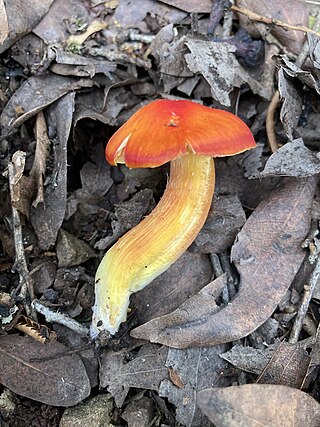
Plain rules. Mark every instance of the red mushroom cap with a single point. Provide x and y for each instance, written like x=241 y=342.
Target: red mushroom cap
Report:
x=164 y=130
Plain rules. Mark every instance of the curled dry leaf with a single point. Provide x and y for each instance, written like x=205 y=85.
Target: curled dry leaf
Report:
x=59 y=379
x=267 y=256
x=23 y=104
x=253 y=405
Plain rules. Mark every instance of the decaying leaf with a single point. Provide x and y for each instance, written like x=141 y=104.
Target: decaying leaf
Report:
x=219 y=66
x=23 y=104
x=293 y=159
x=147 y=370
x=17 y=19
x=196 y=369
x=200 y=6
x=267 y=255
x=254 y=405
x=47 y=217
x=288 y=366
x=62 y=380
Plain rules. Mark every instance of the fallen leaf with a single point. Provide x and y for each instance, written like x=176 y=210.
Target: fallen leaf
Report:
x=219 y=66
x=48 y=88
x=225 y=219
x=60 y=380
x=47 y=217
x=288 y=366
x=146 y=371
x=200 y=6
x=267 y=255
x=292 y=159
x=197 y=369
x=253 y=405
x=249 y=359
x=18 y=19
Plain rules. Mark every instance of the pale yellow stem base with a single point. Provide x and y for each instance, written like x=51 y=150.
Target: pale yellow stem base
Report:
x=157 y=242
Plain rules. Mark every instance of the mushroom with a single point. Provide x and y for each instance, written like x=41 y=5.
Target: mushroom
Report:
x=188 y=135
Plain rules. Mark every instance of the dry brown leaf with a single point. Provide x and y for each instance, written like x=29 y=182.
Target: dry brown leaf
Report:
x=259 y=405
x=60 y=379
x=267 y=255
x=288 y=366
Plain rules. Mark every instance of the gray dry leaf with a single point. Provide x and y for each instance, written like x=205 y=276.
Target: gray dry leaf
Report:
x=19 y=18
x=267 y=255
x=48 y=216
x=249 y=359
x=198 y=369
x=190 y=6
x=292 y=104
x=288 y=366
x=254 y=405
x=219 y=66
x=24 y=104
x=292 y=159
x=59 y=381
x=224 y=221
x=146 y=371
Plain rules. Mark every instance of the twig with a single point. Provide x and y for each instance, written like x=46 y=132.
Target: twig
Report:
x=270 y=122
x=308 y=291
x=20 y=265
x=270 y=21
x=62 y=319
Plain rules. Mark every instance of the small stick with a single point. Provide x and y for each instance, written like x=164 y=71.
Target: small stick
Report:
x=270 y=122
x=62 y=319
x=20 y=264
x=270 y=21
x=308 y=291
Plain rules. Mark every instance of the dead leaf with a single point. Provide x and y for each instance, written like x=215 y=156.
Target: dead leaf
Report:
x=253 y=405
x=267 y=255
x=294 y=13
x=201 y=6
x=197 y=369
x=249 y=359
x=48 y=216
x=190 y=273
x=53 y=28
x=38 y=169
x=18 y=19
x=225 y=219
x=4 y=26
x=175 y=378
x=219 y=66
x=147 y=370
x=293 y=159
x=48 y=88
x=60 y=381
x=288 y=366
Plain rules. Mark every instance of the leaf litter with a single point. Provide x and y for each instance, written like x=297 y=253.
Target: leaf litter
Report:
x=72 y=74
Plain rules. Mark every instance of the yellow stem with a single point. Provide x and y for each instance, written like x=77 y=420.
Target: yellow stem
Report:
x=157 y=242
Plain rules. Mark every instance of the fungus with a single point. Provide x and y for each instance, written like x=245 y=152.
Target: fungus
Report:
x=188 y=135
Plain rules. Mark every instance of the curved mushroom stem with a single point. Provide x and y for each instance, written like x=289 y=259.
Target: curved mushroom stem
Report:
x=152 y=246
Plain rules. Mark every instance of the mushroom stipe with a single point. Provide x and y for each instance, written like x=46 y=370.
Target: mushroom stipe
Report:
x=188 y=135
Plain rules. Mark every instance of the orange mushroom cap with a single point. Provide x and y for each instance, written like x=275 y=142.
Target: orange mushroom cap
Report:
x=165 y=129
